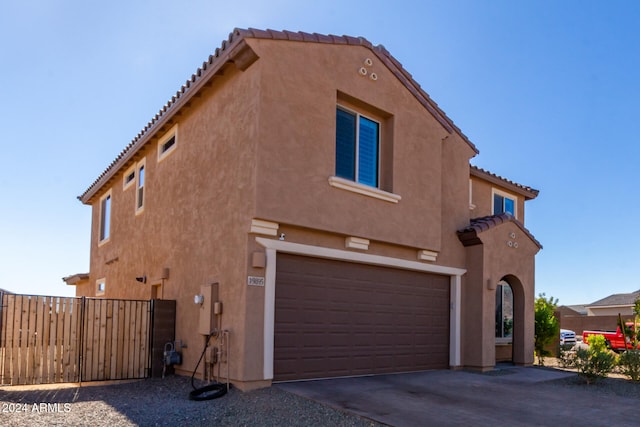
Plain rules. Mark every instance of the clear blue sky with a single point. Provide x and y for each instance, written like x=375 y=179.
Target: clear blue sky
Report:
x=547 y=90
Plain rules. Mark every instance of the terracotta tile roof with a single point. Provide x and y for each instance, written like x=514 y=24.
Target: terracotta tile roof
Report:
x=528 y=192
x=469 y=235
x=224 y=54
x=617 y=299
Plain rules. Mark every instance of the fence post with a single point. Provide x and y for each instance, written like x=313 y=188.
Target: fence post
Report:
x=81 y=340
x=150 y=322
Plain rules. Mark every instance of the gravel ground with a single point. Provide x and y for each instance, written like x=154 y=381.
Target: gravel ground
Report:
x=156 y=402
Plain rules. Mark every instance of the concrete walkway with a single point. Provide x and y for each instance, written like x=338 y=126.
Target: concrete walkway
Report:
x=513 y=396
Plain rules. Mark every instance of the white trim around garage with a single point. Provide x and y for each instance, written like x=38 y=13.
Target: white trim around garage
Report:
x=274 y=246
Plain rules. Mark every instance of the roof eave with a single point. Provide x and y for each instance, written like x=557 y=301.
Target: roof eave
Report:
x=470 y=236
x=237 y=52
x=527 y=192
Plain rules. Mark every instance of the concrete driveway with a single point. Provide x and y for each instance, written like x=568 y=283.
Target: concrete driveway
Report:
x=512 y=396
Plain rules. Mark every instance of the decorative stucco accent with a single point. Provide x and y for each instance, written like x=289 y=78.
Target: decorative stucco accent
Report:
x=268 y=228
x=356 y=243
x=365 y=190
x=427 y=255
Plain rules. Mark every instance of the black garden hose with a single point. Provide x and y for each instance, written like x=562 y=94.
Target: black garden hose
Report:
x=208 y=392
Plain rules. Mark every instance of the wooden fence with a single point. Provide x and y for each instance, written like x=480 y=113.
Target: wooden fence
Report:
x=47 y=339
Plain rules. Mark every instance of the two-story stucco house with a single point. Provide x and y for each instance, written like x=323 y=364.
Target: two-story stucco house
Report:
x=332 y=204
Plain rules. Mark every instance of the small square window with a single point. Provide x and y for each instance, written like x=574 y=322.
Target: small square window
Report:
x=167 y=144
x=129 y=178
x=101 y=286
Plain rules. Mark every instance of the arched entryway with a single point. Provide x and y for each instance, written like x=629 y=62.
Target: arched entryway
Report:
x=510 y=320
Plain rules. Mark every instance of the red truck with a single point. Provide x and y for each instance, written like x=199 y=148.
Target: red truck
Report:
x=615 y=340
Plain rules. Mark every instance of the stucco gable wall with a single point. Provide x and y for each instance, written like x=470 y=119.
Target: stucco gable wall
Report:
x=301 y=85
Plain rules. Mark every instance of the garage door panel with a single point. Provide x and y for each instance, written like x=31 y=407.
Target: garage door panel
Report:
x=338 y=319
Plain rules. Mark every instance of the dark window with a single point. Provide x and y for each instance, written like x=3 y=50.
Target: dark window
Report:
x=504 y=311
x=503 y=204
x=140 y=195
x=129 y=178
x=167 y=145
x=357 y=147
x=105 y=218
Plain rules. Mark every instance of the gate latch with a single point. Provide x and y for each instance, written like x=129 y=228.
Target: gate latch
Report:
x=171 y=356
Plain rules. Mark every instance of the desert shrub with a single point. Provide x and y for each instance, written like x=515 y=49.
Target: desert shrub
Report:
x=629 y=364
x=567 y=355
x=594 y=362
x=546 y=325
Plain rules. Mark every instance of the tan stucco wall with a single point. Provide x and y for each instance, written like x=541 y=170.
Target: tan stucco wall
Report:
x=197 y=210
x=295 y=129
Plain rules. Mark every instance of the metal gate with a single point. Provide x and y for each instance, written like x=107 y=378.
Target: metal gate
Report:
x=48 y=339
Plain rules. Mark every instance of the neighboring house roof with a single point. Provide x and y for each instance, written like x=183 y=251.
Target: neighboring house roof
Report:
x=235 y=50
x=74 y=279
x=526 y=191
x=469 y=235
x=616 y=300
x=4 y=291
x=579 y=309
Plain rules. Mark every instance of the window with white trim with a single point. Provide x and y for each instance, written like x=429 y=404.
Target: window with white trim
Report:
x=504 y=313
x=140 y=186
x=105 y=217
x=167 y=144
x=503 y=203
x=129 y=178
x=357 y=147
x=101 y=286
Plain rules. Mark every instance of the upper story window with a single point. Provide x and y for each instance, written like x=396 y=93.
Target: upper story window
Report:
x=101 y=286
x=129 y=178
x=105 y=217
x=503 y=203
x=140 y=187
x=357 y=147
x=167 y=144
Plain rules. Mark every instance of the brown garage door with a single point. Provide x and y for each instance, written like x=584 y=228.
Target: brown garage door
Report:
x=336 y=318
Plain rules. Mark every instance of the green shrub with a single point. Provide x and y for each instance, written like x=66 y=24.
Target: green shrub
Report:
x=594 y=362
x=629 y=364
x=546 y=325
